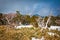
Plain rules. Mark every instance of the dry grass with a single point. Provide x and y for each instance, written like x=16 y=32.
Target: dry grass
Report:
x=7 y=33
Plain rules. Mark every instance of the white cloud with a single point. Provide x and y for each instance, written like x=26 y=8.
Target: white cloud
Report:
x=33 y=8
x=44 y=11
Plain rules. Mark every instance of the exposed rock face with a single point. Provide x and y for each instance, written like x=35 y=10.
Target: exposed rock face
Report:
x=10 y=15
x=58 y=22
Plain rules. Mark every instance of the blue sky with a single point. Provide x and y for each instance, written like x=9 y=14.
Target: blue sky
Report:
x=31 y=7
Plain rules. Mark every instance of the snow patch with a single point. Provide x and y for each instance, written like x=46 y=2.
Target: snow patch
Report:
x=22 y=26
x=33 y=38
x=54 y=28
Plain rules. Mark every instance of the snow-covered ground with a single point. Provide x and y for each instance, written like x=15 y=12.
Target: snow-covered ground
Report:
x=33 y=38
x=22 y=26
x=54 y=28
x=52 y=34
